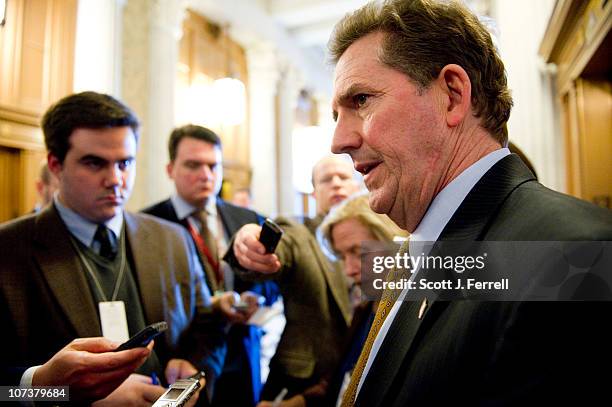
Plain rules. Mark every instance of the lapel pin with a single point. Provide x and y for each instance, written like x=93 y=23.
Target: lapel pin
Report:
x=423 y=308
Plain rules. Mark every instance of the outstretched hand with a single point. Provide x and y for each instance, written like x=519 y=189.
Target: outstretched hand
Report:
x=90 y=367
x=251 y=254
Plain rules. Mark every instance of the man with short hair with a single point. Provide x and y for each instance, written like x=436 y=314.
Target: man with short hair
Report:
x=421 y=104
x=333 y=180
x=85 y=267
x=196 y=168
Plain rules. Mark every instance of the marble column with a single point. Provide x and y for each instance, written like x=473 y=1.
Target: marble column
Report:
x=152 y=30
x=263 y=79
x=97 y=57
x=289 y=90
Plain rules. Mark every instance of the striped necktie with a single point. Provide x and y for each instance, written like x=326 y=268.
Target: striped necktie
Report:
x=209 y=238
x=389 y=297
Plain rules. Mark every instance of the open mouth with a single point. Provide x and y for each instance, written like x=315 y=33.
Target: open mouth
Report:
x=367 y=167
x=338 y=198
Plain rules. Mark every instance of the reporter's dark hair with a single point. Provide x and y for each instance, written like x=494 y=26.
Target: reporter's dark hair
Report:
x=191 y=131
x=89 y=110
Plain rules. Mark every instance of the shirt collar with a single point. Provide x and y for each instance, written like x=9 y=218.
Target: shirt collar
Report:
x=84 y=229
x=184 y=209
x=446 y=203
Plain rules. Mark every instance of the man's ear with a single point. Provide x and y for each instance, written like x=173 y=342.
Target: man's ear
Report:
x=39 y=187
x=169 y=168
x=457 y=89
x=54 y=164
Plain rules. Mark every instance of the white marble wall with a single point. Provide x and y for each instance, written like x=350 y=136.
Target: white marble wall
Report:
x=263 y=71
x=97 y=57
x=533 y=124
x=152 y=30
x=151 y=34
x=289 y=89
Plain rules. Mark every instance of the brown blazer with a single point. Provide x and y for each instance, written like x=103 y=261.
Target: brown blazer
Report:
x=317 y=308
x=45 y=300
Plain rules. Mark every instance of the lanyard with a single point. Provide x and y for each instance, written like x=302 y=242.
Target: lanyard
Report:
x=89 y=270
x=201 y=245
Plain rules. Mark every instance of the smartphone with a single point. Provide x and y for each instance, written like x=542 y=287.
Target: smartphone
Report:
x=270 y=235
x=143 y=337
x=179 y=392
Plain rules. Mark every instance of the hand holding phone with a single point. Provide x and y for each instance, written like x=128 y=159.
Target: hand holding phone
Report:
x=142 y=338
x=270 y=235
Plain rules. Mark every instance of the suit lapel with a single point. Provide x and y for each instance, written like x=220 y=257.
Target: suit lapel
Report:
x=231 y=219
x=473 y=217
x=64 y=273
x=170 y=212
x=387 y=360
x=146 y=263
x=469 y=223
x=227 y=219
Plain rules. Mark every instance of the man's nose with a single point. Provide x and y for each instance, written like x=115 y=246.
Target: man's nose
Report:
x=352 y=265
x=336 y=181
x=207 y=172
x=346 y=135
x=114 y=176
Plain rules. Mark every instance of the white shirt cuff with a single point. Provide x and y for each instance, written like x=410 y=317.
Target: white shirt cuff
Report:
x=28 y=375
x=26 y=381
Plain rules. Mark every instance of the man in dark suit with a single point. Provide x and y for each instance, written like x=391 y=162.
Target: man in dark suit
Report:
x=84 y=267
x=197 y=171
x=421 y=104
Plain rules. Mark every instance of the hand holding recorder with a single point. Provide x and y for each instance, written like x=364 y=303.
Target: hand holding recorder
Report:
x=183 y=392
x=254 y=247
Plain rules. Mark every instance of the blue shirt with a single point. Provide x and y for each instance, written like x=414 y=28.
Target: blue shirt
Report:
x=84 y=229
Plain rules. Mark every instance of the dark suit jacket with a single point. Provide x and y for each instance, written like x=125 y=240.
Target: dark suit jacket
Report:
x=233 y=218
x=46 y=300
x=500 y=353
x=243 y=340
